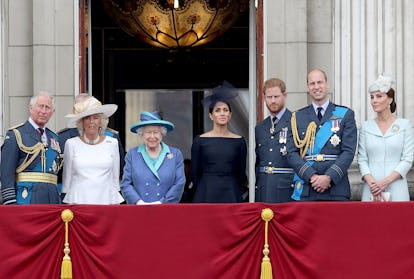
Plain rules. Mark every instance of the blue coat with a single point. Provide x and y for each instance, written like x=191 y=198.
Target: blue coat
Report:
x=336 y=169
x=12 y=157
x=271 y=152
x=163 y=182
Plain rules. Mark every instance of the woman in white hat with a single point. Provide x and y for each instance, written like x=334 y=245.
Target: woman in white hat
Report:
x=154 y=171
x=91 y=160
x=386 y=147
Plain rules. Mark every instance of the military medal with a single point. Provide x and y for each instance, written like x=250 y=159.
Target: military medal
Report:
x=272 y=130
x=24 y=193
x=283 y=135
x=335 y=124
x=55 y=145
x=335 y=140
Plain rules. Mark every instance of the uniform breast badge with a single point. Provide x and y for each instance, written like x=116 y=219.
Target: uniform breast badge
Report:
x=335 y=140
x=24 y=193
x=283 y=150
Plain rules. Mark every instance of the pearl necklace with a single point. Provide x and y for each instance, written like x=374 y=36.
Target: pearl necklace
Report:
x=93 y=141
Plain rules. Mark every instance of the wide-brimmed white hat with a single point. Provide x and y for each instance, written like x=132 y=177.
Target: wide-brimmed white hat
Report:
x=89 y=107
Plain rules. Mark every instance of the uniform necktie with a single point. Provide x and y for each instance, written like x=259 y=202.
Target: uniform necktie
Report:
x=275 y=120
x=320 y=113
x=41 y=131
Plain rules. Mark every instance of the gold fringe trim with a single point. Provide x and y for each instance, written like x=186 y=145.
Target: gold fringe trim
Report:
x=308 y=140
x=266 y=268
x=66 y=270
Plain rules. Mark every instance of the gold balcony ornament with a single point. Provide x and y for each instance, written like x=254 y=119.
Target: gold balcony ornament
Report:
x=175 y=24
x=266 y=268
x=66 y=270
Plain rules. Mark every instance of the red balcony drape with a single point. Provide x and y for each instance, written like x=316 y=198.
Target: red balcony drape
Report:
x=197 y=241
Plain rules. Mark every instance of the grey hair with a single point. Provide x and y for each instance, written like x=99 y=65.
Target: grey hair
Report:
x=104 y=124
x=140 y=131
x=34 y=98
x=82 y=97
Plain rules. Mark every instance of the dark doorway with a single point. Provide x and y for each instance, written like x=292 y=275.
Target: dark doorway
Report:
x=121 y=62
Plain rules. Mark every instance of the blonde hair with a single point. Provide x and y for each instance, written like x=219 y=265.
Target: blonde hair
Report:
x=102 y=127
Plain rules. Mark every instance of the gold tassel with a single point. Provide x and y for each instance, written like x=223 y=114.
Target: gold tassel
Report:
x=66 y=270
x=266 y=270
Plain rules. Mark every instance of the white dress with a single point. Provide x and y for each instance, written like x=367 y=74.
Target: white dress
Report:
x=380 y=154
x=91 y=172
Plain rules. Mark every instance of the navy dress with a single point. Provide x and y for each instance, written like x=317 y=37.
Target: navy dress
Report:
x=218 y=169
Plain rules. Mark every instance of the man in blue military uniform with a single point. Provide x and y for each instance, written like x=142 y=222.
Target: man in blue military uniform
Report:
x=274 y=177
x=30 y=157
x=322 y=145
x=72 y=132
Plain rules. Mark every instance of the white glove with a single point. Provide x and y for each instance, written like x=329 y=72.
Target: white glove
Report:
x=140 y=202
x=156 y=202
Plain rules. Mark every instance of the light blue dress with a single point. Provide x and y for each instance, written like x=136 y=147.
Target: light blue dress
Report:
x=380 y=154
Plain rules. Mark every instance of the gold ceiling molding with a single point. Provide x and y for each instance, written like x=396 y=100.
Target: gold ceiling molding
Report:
x=192 y=23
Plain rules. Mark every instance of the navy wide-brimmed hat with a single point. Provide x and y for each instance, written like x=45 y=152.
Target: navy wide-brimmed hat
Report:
x=151 y=119
x=221 y=93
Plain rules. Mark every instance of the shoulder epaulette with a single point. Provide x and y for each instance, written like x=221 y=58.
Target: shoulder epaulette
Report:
x=341 y=106
x=302 y=108
x=63 y=130
x=52 y=132
x=16 y=126
x=112 y=131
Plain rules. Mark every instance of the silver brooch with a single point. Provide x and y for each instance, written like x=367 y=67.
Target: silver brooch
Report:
x=170 y=156
x=395 y=128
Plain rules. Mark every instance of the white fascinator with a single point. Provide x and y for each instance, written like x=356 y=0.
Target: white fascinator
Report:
x=383 y=84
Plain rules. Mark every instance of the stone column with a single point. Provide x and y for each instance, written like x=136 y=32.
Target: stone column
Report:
x=373 y=37
x=38 y=51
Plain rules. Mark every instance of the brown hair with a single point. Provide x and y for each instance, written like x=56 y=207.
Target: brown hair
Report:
x=393 y=105
x=274 y=82
x=317 y=70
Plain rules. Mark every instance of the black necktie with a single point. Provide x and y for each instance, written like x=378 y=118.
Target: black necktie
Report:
x=41 y=131
x=275 y=120
x=320 y=113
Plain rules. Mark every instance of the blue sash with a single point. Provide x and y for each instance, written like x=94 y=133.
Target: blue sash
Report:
x=322 y=137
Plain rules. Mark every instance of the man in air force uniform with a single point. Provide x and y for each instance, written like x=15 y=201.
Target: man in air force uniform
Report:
x=324 y=138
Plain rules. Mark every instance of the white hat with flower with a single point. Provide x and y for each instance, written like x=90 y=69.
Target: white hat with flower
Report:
x=88 y=107
x=383 y=84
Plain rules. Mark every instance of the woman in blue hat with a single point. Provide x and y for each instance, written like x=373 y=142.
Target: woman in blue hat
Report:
x=154 y=171
x=218 y=157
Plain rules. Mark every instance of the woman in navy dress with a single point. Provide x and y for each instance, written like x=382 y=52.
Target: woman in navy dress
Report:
x=218 y=157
